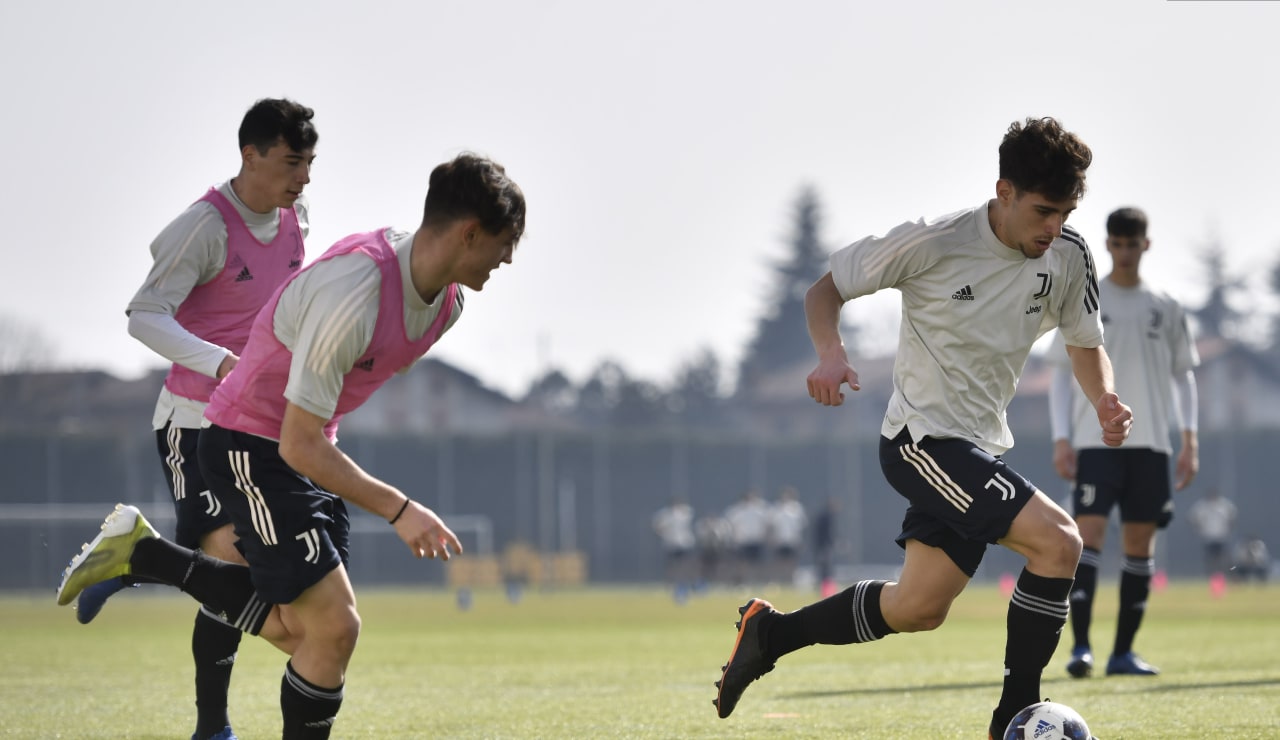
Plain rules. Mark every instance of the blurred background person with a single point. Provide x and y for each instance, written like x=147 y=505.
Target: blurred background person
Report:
x=787 y=523
x=1251 y=559
x=749 y=520
x=673 y=524
x=1213 y=516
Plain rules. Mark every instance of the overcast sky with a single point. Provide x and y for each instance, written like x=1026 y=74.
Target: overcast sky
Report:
x=661 y=145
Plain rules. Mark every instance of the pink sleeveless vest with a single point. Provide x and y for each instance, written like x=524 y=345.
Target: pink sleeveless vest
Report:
x=222 y=310
x=251 y=399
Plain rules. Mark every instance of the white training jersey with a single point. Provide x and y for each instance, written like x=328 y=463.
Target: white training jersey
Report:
x=1150 y=344
x=674 y=525
x=326 y=315
x=191 y=251
x=749 y=520
x=787 y=521
x=971 y=309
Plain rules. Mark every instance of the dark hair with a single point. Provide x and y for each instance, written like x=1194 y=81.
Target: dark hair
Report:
x=1039 y=156
x=1126 y=222
x=273 y=119
x=472 y=186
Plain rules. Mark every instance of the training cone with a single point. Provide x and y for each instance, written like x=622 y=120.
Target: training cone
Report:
x=1159 y=581
x=828 y=587
x=1006 y=584
x=1217 y=585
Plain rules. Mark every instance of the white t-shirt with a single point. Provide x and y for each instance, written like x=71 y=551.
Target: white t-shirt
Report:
x=971 y=309
x=326 y=318
x=1150 y=344
x=750 y=521
x=787 y=521
x=191 y=251
x=674 y=525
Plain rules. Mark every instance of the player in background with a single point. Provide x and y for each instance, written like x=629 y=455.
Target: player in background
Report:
x=978 y=287
x=1153 y=350
x=368 y=308
x=214 y=267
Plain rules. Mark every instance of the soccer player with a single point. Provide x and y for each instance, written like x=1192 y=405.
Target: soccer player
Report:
x=368 y=308
x=1151 y=345
x=978 y=286
x=214 y=267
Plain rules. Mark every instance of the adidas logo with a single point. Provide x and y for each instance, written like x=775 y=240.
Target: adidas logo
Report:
x=244 y=275
x=1042 y=727
x=964 y=294
x=366 y=365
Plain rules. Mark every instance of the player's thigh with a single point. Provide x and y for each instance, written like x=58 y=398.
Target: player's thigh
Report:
x=325 y=611
x=929 y=583
x=221 y=544
x=1046 y=536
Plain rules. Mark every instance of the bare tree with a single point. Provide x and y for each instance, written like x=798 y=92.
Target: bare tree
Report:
x=23 y=348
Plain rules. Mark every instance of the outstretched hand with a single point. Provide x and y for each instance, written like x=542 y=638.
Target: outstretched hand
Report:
x=825 y=380
x=426 y=534
x=1115 y=418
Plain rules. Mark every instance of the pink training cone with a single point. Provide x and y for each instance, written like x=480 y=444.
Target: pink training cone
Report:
x=1159 y=581
x=1006 y=584
x=1217 y=585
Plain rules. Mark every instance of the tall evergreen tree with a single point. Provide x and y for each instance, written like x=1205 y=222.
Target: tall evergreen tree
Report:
x=1216 y=317
x=780 y=340
x=1273 y=337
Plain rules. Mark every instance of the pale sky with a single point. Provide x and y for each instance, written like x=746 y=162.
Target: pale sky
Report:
x=661 y=145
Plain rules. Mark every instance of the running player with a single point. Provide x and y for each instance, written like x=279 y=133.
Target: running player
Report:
x=368 y=308
x=978 y=288
x=214 y=267
x=1150 y=341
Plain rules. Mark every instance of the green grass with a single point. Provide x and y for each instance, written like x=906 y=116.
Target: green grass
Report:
x=629 y=663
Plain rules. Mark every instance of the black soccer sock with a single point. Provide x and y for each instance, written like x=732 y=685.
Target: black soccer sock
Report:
x=853 y=615
x=1037 y=614
x=225 y=588
x=309 y=710
x=213 y=646
x=1082 y=594
x=1135 y=587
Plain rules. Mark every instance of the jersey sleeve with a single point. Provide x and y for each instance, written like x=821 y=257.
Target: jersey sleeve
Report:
x=1182 y=340
x=190 y=251
x=1080 y=319
x=326 y=318
x=878 y=262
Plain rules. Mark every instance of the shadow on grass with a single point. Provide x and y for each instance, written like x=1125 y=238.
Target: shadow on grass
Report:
x=1273 y=681
x=877 y=690
x=874 y=690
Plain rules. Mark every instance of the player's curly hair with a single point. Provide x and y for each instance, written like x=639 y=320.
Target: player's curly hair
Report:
x=472 y=186
x=1039 y=156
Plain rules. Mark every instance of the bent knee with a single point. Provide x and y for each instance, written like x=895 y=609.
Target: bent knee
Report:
x=919 y=618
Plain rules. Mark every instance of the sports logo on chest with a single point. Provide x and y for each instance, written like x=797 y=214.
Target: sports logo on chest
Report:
x=1042 y=292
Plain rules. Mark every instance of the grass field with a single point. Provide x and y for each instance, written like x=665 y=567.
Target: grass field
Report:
x=630 y=663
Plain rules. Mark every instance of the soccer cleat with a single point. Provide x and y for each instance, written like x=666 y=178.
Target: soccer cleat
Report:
x=1129 y=664
x=107 y=556
x=94 y=597
x=224 y=734
x=1081 y=665
x=747 y=661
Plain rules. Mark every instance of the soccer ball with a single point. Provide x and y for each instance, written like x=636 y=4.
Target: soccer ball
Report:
x=1047 y=720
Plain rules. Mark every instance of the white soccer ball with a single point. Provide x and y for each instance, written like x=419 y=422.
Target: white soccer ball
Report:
x=1048 y=720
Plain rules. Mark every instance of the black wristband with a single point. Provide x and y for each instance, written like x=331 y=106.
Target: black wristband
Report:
x=403 y=506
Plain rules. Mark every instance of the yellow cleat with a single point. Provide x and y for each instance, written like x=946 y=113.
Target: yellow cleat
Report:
x=107 y=556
